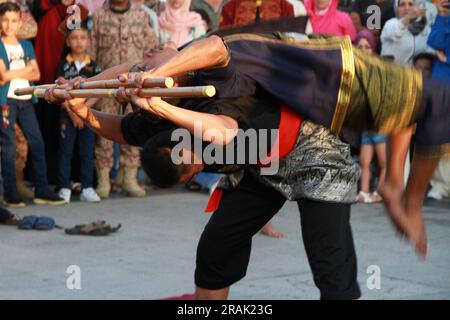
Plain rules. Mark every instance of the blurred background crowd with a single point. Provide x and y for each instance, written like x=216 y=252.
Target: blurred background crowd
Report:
x=54 y=147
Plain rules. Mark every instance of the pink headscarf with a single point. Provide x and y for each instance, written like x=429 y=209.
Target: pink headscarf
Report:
x=330 y=21
x=177 y=22
x=366 y=34
x=91 y=5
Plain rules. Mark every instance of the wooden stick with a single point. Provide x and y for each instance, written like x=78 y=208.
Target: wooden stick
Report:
x=103 y=84
x=114 y=83
x=30 y=90
x=180 y=92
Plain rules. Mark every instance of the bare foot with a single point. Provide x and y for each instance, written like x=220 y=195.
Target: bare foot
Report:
x=270 y=231
x=409 y=223
x=392 y=198
x=418 y=236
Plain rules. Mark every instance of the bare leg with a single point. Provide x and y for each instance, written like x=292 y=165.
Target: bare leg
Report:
x=380 y=150
x=393 y=187
x=204 y=294
x=422 y=170
x=365 y=158
x=270 y=231
x=398 y=148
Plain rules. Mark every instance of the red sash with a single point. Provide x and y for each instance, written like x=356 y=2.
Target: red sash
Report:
x=290 y=123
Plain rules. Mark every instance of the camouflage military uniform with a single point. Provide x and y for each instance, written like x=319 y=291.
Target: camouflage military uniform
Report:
x=118 y=38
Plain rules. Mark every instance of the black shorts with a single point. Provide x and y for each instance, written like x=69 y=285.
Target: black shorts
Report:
x=224 y=248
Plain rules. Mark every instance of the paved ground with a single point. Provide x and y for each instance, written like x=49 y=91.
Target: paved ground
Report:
x=153 y=255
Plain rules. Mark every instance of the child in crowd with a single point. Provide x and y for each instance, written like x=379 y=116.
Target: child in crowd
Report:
x=424 y=63
x=76 y=63
x=18 y=67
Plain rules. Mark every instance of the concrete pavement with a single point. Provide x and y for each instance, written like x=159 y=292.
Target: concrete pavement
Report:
x=153 y=255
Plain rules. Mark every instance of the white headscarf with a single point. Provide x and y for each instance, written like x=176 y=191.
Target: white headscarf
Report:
x=397 y=3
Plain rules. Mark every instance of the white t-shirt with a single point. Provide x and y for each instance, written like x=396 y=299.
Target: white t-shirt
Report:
x=80 y=64
x=16 y=58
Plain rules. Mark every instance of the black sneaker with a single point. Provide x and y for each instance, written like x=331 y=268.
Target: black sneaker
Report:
x=13 y=201
x=48 y=197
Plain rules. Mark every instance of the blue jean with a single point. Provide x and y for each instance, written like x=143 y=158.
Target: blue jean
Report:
x=373 y=138
x=207 y=180
x=21 y=111
x=86 y=142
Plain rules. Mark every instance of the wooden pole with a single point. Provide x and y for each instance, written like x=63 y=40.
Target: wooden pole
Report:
x=114 y=83
x=103 y=84
x=179 y=92
x=30 y=90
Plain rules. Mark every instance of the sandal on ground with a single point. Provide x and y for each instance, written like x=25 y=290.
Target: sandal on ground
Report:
x=375 y=196
x=27 y=223
x=38 y=223
x=98 y=228
x=44 y=223
x=363 y=197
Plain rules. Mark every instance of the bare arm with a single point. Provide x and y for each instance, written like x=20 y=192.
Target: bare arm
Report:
x=30 y=72
x=35 y=74
x=91 y=102
x=104 y=124
x=198 y=55
x=219 y=129
x=112 y=73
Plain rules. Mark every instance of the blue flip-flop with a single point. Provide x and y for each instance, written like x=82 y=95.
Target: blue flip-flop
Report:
x=27 y=222
x=44 y=223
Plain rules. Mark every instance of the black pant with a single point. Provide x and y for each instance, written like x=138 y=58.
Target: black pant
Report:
x=224 y=248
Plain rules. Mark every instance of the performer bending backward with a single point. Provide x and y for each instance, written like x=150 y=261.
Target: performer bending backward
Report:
x=316 y=170
x=331 y=83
